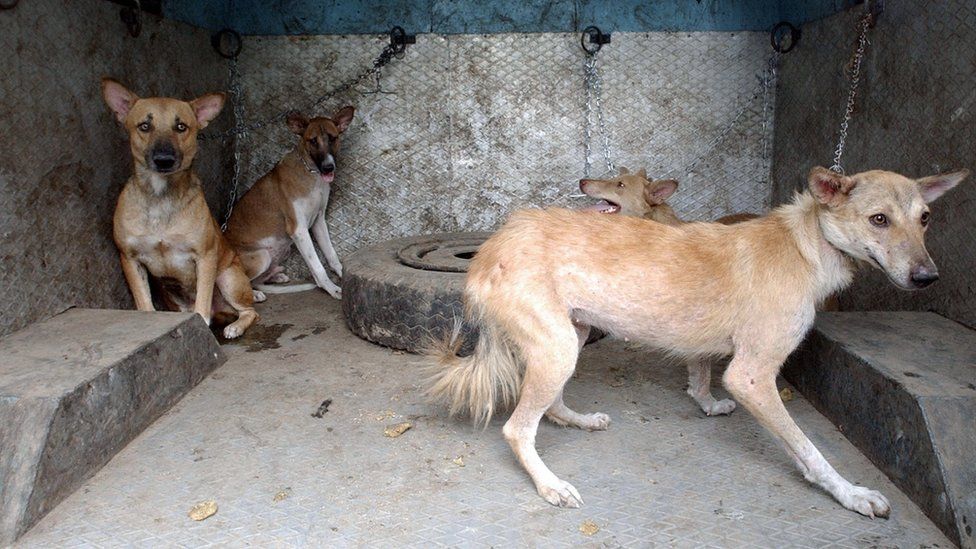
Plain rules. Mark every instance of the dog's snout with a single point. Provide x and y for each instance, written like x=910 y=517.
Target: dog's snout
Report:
x=328 y=168
x=923 y=276
x=164 y=157
x=583 y=183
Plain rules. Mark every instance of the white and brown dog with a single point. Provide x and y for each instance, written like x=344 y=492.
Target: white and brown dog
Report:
x=696 y=290
x=162 y=224
x=289 y=202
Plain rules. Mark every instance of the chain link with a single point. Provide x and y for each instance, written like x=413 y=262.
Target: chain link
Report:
x=388 y=53
x=594 y=98
x=862 y=40
x=766 y=80
x=240 y=134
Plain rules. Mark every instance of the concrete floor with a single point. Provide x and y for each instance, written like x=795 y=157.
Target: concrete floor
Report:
x=663 y=475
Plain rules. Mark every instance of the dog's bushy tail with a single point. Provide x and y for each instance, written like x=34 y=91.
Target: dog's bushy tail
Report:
x=475 y=384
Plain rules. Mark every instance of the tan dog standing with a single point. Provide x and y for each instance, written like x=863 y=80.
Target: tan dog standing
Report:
x=284 y=205
x=162 y=224
x=701 y=289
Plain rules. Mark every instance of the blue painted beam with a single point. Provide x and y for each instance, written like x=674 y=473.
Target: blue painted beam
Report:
x=296 y=17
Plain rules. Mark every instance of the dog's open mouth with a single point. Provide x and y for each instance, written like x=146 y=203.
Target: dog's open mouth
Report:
x=604 y=206
x=327 y=177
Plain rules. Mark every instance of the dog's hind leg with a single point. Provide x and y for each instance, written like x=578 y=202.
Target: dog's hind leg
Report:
x=549 y=348
x=560 y=414
x=752 y=381
x=236 y=290
x=699 y=387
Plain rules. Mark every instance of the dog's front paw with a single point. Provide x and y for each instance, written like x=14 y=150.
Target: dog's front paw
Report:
x=258 y=296
x=232 y=332
x=561 y=494
x=334 y=291
x=868 y=502
x=338 y=270
x=719 y=407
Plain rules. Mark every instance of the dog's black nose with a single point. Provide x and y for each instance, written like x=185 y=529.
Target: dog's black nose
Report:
x=923 y=276
x=163 y=158
x=328 y=168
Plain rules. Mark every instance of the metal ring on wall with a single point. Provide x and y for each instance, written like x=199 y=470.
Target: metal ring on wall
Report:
x=597 y=39
x=777 y=35
x=227 y=43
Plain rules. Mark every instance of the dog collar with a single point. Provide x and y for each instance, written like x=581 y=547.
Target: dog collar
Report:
x=311 y=169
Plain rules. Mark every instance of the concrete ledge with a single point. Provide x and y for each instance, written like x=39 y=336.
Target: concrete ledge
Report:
x=76 y=388
x=902 y=387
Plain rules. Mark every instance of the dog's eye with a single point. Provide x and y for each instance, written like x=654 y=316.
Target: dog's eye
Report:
x=311 y=141
x=879 y=220
x=925 y=218
x=620 y=185
x=180 y=127
x=144 y=126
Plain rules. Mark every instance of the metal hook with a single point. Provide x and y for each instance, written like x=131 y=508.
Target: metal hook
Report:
x=227 y=43
x=776 y=36
x=399 y=39
x=597 y=39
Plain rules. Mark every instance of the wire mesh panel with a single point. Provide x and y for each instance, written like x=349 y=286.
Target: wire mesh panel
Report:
x=914 y=114
x=466 y=128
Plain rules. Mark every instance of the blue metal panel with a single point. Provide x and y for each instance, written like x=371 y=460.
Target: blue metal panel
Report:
x=473 y=16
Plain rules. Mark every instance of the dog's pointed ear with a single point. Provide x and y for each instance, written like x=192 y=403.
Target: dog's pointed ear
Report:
x=207 y=107
x=118 y=98
x=657 y=192
x=343 y=117
x=296 y=122
x=642 y=173
x=934 y=186
x=829 y=187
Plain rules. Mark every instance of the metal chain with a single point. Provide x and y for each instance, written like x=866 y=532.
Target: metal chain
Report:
x=765 y=81
x=240 y=134
x=862 y=41
x=388 y=53
x=594 y=98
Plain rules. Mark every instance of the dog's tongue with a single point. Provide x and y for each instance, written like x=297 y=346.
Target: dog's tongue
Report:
x=602 y=207
x=327 y=177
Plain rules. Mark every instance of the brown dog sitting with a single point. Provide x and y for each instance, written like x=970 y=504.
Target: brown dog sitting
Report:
x=288 y=203
x=162 y=224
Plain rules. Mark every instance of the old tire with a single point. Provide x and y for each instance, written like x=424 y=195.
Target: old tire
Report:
x=406 y=293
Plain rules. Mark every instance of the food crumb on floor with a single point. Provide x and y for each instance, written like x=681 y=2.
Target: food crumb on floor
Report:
x=203 y=510
x=394 y=431
x=786 y=394
x=459 y=461
x=323 y=408
x=589 y=527
x=281 y=495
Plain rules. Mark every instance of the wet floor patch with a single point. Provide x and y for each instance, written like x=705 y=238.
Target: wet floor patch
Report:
x=260 y=337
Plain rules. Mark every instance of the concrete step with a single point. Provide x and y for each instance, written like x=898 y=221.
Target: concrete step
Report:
x=902 y=387
x=76 y=388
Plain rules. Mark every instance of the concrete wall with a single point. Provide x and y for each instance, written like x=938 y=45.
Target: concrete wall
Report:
x=259 y=17
x=916 y=114
x=62 y=157
x=466 y=128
